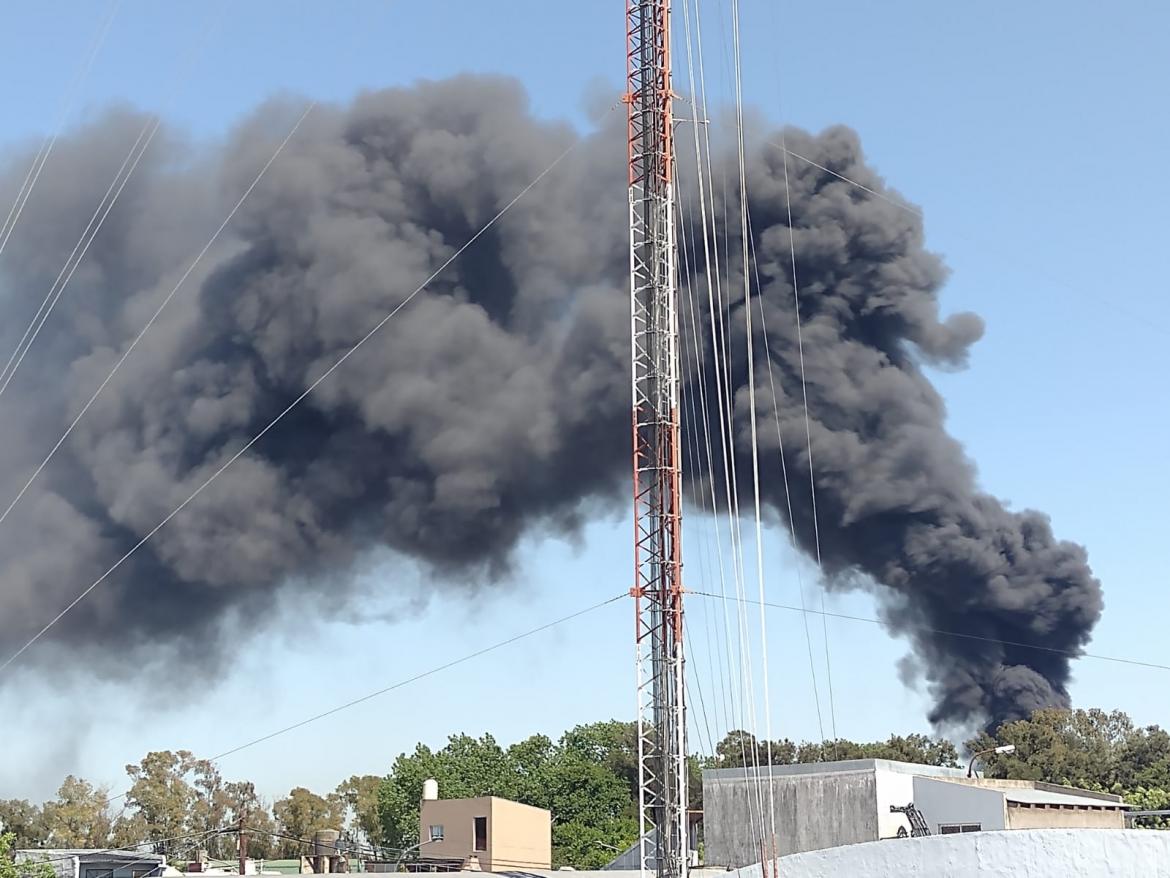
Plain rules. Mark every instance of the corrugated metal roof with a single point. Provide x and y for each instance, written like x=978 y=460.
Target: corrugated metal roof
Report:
x=1048 y=797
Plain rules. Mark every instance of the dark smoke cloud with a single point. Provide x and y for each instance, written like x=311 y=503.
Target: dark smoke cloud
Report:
x=897 y=499
x=495 y=405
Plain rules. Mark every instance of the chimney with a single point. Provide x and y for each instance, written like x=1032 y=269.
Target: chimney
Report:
x=430 y=790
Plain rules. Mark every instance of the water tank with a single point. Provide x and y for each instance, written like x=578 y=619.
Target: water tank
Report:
x=430 y=790
x=325 y=842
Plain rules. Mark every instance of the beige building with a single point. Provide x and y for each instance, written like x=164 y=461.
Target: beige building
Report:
x=486 y=833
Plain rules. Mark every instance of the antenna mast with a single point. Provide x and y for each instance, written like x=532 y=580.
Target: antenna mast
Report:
x=657 y=590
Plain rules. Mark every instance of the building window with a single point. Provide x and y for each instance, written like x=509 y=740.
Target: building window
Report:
x=436 y=832
x=481 y=833
x=953 y=828
x=99 y=873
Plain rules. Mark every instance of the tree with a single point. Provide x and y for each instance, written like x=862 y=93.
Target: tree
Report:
x=161 y=798
x=9 y=868
x=360 y=797
x=25 y=821
x=1143 y=799
x=465 y=767
x=301 y=813
x=739 y=748
x=184 y=800
x=613 y=744
x=588 y=780
x=79 y=816
x=1093 y=749
x=244 y=803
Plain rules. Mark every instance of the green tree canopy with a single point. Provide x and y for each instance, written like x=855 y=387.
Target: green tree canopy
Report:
x=79 y=816
x=301 y=813
x=25 y=822
x=587 y=780
x=9 y=868
x=359 y=794
x=1093 y=749
x=739 y=748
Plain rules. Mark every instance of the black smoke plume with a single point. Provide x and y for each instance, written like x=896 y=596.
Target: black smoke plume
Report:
x=494 y=405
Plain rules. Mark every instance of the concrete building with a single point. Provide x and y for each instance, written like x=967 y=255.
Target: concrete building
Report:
x=485 y=833
x=832 y=804
x=100 y=863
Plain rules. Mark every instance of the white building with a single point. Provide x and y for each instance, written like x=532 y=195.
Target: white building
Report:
x=797 y=808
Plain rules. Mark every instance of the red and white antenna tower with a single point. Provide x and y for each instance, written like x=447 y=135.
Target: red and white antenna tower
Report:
x=657 y=590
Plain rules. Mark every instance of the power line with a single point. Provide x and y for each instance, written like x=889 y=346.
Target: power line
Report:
x=42 y=155
x=129 y=848
x=787 y=494
x=901 y=205
x=93 y=227
x=292 y=405
x=812 y=483
x=966 y=636
x=149 y=323
x=405 y=682
x=421 y=676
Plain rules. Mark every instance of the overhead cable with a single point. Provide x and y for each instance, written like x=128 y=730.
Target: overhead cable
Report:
x=1070 y=653
x=296 y=402
x=42 y=154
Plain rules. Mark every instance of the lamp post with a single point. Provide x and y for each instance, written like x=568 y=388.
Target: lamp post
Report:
x=403 y=854
x=1005 y=748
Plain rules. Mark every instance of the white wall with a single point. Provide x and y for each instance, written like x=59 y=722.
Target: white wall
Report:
x=893 y=788
x=941 y=801
x=1020 y=853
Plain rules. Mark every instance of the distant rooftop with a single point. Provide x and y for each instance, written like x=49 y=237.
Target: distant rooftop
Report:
x=1068 y=800
x=42 y=854
x=842 y=767
x=1023 y=792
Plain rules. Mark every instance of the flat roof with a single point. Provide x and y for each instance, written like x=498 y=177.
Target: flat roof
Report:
x=512 y=802
x=103 y=853
x=1051 y=797
x=844 y=766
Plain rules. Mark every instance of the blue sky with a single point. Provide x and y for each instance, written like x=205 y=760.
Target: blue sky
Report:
x=1032 y=135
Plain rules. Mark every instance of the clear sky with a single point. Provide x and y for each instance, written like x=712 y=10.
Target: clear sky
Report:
x=1032 y=135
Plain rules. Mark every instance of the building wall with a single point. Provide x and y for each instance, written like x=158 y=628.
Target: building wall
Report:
x=1022 y=817
x=519 y=836
x=103 y=863
x=892 y=788
x=942 y=801
x=813 y=811
x=1041 y=853
x=457 y=817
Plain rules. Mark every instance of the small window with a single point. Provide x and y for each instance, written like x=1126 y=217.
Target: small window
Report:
x=481 y=833
x=436 y=832
x=139 y=873
x=955 y=828
x=98 y=873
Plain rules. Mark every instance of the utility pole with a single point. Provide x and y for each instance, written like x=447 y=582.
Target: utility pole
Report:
x=243 y=842
x=657 y=589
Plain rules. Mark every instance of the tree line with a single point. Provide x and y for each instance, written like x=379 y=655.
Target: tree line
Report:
x=587 y=778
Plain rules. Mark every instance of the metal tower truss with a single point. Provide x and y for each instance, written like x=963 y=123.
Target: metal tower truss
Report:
x=657 y=589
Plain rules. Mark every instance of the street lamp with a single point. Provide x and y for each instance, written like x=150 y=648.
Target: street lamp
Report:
x=402 y=855
x=1005 y=748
